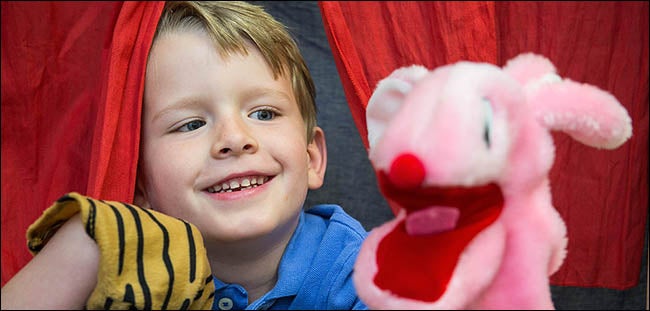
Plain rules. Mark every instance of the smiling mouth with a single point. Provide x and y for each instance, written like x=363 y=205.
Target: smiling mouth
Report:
x=238 y=184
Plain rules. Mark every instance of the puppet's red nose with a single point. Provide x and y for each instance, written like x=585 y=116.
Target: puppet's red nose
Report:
x=406 y=171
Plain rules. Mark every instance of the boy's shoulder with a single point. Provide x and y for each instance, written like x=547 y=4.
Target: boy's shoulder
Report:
x=326 y=242
x=321 y=255
x=335 y=221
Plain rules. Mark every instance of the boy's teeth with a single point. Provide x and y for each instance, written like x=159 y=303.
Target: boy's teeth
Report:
x=239 y=184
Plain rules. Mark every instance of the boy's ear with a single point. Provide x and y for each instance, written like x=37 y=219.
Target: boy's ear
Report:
x=140 y=197
x=317 y=152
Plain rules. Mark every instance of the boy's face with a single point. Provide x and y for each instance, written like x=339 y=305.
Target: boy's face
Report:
x=210 y=121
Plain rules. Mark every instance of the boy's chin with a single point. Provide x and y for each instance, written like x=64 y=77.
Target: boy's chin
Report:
x=258 y=229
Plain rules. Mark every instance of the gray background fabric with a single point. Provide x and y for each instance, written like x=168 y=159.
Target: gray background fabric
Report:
x=350 y=180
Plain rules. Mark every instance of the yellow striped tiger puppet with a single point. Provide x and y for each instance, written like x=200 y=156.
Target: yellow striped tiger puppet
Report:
x=149 y=260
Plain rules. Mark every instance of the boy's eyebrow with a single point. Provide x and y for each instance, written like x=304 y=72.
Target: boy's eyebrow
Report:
x=188 y=102
x=183 y=103
x=264 y=92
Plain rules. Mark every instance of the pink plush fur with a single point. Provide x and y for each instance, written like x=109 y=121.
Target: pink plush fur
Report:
x=468 y=125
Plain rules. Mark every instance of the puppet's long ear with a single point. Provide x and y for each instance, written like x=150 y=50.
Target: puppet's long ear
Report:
x=388 y=97
x=528 y=67
x=588 y=114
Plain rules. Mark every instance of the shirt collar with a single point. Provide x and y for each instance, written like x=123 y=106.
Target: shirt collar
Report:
x=295 y=261
x=294 y=264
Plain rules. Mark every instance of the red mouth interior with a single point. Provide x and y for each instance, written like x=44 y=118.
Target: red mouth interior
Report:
x=419 y=267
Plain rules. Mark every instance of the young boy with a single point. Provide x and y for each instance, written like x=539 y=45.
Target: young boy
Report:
x=229 y=144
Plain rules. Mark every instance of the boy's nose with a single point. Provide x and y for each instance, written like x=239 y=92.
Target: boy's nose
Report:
x=234 y=139
x=226 y=151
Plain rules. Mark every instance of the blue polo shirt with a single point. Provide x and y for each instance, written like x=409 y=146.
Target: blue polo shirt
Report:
x=316 y=268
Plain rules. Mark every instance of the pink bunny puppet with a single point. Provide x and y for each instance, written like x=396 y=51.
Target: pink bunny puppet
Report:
x=465 y=151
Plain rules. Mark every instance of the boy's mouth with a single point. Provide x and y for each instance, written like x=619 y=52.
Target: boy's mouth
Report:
x=238 y=184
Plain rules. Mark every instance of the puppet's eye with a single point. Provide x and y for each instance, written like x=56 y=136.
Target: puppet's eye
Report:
x=488 y=121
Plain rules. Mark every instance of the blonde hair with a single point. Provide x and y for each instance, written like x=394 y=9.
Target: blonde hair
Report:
x=231 y=25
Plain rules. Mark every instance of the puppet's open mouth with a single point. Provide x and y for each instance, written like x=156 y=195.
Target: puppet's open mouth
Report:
x=416 y=260
x=443 y=205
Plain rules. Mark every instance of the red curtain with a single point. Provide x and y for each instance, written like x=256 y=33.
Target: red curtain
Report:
x=72 y=83
x=602 y=195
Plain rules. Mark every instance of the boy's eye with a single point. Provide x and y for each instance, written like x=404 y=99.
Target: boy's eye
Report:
x=263 y=114
x=191 y=126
